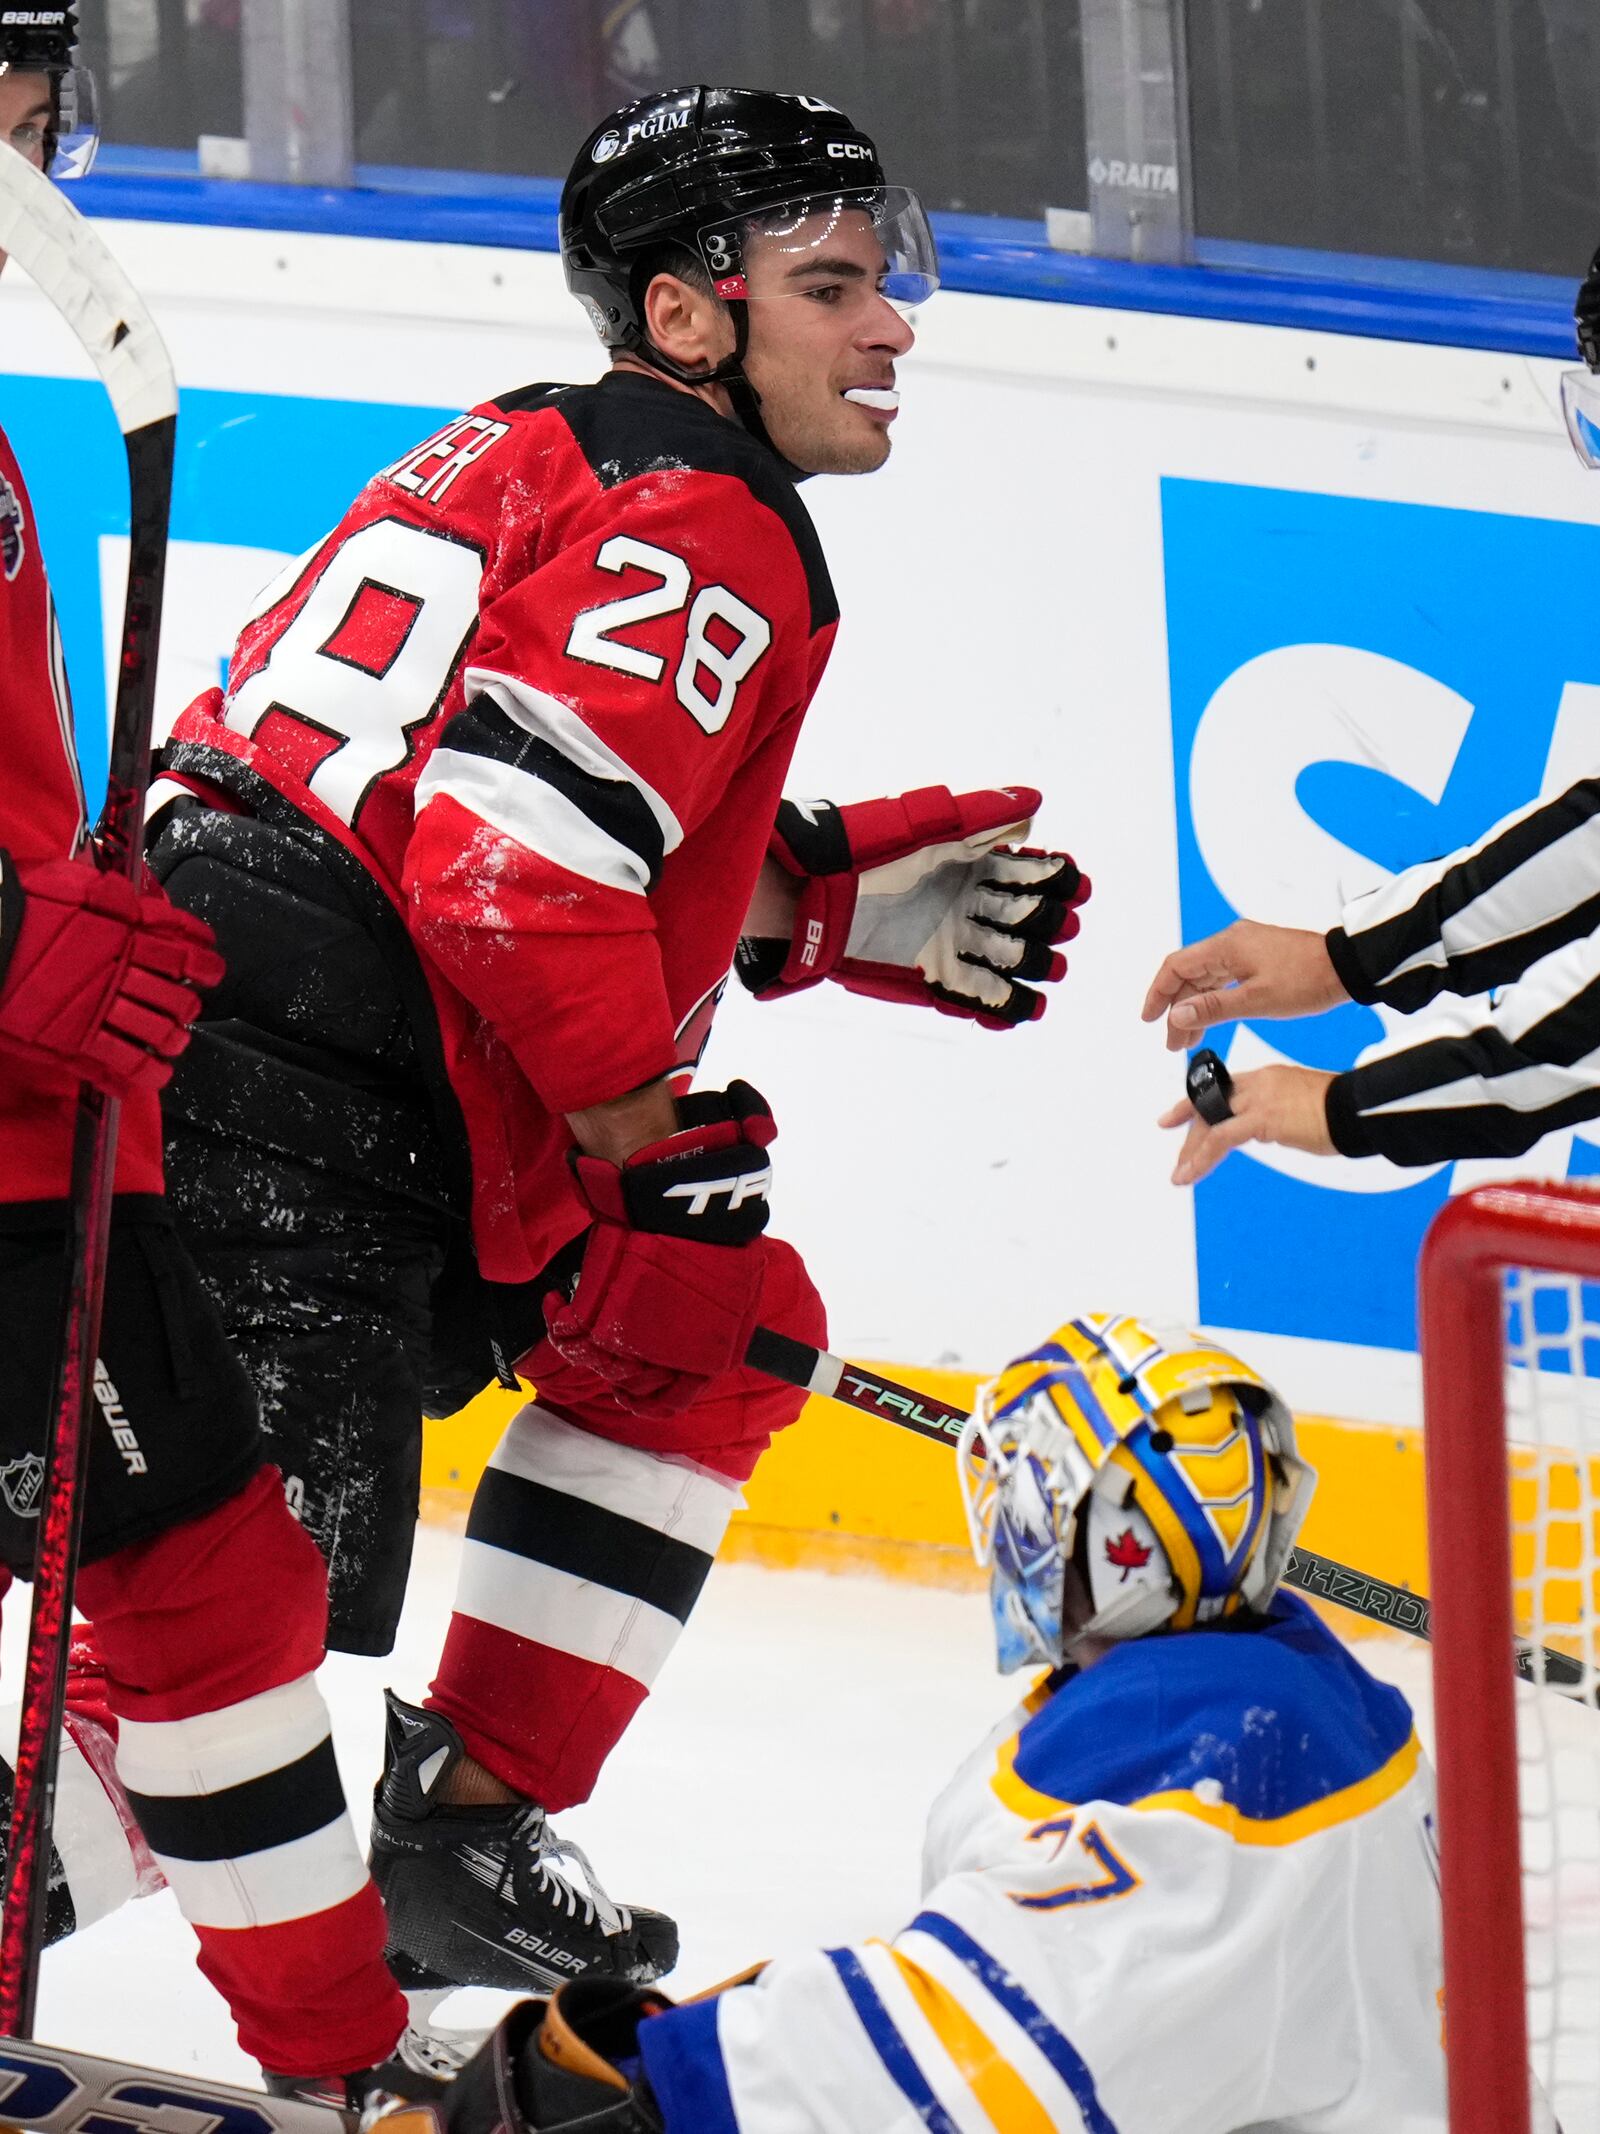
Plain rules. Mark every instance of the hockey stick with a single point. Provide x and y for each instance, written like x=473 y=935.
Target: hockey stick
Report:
x=73 y=269
x=58 y=2091
x=815 y=1371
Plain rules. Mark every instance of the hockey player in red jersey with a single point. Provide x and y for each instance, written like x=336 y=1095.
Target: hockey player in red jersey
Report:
x=479 y=821
x=207 y=1599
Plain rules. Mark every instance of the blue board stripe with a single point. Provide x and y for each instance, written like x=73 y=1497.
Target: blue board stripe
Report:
x=1025 y=2012
x=982 y=255
x=889 y=2045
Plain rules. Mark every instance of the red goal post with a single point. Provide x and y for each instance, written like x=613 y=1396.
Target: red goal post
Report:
x=1511 y=1398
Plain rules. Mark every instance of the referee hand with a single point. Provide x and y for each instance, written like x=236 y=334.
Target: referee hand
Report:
x=1285 y=1105
x=1246 y=971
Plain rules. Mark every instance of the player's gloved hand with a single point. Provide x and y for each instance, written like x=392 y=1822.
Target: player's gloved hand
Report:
x=669 y=1289
x=569 y=2062
x=98 y=979
x=922 y=899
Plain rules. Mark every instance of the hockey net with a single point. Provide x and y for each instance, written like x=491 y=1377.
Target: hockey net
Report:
x=1510 y=1309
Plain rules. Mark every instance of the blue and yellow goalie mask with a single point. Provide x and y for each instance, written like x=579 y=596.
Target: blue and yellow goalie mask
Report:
x=1160 y=1465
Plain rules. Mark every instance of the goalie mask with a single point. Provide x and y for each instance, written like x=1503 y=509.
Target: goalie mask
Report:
x=44 y=40
x=1157 y=1465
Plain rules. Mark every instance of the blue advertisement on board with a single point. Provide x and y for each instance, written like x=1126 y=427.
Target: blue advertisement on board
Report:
x=259 y=478
x=1356 y=685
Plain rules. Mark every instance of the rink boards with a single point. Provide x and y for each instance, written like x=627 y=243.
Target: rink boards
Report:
x=1267 y=612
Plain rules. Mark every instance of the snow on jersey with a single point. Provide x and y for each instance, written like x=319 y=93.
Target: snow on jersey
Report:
x=545 y=678
x=42 y=817
x=1189 y=1891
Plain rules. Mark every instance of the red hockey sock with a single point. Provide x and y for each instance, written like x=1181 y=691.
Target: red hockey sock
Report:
x=211 y=1636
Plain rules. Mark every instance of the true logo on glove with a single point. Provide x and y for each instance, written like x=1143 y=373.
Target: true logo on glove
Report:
x=752 y=1185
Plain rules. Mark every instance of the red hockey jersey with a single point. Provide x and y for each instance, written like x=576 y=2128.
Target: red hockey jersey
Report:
x=42 y=817
x=545 y=678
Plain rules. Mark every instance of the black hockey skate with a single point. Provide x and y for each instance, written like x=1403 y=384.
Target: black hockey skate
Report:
x=490 y=1896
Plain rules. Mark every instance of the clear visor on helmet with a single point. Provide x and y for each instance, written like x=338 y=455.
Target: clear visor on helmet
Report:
x=77 y=124
x=846 y=251
x=1580 y=404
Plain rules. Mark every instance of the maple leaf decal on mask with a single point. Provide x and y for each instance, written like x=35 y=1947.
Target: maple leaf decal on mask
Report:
x=1127 y=1552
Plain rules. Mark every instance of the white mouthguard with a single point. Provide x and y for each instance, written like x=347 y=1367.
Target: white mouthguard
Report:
x=866 y=396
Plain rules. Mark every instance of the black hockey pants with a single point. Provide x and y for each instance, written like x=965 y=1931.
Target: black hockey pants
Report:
x=311 y=1178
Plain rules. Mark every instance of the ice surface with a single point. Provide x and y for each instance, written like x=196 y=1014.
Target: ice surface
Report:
x=771 y=1795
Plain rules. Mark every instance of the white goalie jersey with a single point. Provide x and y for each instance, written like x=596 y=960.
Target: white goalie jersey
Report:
x=1191 y=1890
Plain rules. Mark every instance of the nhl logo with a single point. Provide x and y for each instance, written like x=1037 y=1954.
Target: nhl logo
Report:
x=22 y=1485
x=607 y=146
x=12 y=547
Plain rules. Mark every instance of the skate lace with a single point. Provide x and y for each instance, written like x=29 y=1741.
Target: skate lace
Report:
x=553 y=1861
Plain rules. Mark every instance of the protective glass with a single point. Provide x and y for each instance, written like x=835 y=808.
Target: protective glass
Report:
x=77 y=125
x=857 y=246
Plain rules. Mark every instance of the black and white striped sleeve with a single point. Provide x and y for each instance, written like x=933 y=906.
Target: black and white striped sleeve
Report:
x=1484 y=1082
x=529 y=765
x=1482 y=916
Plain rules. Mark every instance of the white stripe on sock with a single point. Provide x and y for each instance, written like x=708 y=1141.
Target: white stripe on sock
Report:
x=265 y=1889
x=669 y=1497
x=571 y=1615
x=215 y=1750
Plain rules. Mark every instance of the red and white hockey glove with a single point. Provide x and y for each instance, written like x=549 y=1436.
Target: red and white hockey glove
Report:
x=669 y=1289
x=922 y=899
x=98 y=979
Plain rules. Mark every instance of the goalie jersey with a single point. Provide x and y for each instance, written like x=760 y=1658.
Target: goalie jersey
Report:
x=1190 y=1890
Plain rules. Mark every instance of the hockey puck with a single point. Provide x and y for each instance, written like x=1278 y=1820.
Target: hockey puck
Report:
x=1210 y=1087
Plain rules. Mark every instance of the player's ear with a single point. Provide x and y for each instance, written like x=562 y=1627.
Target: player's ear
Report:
x=687 y=323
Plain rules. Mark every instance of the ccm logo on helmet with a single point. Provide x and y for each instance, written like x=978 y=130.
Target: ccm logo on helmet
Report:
x=752 y=1186
x=849 y=152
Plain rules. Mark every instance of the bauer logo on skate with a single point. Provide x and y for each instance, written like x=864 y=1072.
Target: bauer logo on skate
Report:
x=1356 y=686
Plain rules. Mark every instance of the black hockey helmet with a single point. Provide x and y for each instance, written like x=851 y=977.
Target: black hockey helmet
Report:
x=44 y=40
x=690 y=171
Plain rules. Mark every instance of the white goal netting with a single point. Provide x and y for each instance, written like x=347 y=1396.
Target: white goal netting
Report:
x=1553 y=1425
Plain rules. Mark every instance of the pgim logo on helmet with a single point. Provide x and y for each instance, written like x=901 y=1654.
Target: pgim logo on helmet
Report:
x=655 y=127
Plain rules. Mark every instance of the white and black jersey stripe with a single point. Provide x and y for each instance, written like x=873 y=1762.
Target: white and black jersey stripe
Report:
x=1520 y=909
x=526 y=764
x=1482 y=916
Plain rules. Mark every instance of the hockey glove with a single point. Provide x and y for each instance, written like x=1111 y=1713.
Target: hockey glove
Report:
x=920 y=900
x=98 y=980
x=669 y=1287
x=572 y=2061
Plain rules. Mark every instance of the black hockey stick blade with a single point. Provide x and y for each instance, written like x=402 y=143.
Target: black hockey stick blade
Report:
x=1401 y=1609
x=857 y=1386
x=56 y=2091
x=71 y=266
